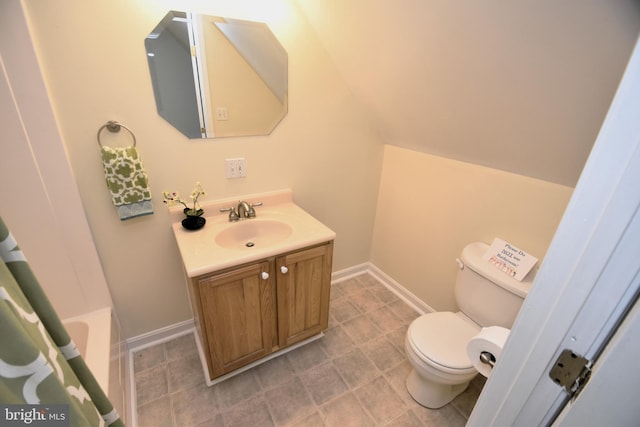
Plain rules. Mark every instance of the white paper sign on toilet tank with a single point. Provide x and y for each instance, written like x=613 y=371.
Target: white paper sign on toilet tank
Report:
x=509 y=259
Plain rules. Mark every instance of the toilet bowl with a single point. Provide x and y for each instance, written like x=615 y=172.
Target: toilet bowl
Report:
x=436 y=343
x=435 y=346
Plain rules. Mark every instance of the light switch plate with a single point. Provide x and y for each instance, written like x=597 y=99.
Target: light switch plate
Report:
x=236 y=168
x=222 y=113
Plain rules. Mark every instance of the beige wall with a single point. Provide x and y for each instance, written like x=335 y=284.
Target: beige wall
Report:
x=94 y=64
x=521 y=85
x=430 y=207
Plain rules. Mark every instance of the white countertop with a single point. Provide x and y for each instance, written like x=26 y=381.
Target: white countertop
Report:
x=201 y=254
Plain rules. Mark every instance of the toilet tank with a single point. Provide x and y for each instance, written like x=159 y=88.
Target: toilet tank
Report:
x=485 y=294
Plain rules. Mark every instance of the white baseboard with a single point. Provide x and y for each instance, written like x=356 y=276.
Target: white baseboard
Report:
x=349 y=272
x=161 y=335
x=401 y=292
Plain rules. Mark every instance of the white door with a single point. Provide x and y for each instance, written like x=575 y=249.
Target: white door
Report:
x=614 y=377
x=589 y=278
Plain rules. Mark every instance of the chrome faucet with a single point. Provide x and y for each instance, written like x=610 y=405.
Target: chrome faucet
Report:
x=244 y=211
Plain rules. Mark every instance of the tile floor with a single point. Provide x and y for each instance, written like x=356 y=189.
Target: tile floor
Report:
x=354 y=376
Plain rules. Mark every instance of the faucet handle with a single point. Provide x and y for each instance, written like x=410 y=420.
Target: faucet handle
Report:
x=251 y=213
x=233 y=215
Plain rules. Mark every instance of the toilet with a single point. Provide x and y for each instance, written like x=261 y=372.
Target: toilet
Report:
x=436 y=343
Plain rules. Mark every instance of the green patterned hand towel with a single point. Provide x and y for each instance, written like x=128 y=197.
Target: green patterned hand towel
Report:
x=127 y=181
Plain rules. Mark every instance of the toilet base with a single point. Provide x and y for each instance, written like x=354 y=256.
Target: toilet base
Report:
x=430 y=394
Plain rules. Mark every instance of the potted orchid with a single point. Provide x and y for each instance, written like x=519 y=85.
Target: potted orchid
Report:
x=194 y=219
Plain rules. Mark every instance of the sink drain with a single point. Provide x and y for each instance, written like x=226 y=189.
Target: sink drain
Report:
x=249 y=244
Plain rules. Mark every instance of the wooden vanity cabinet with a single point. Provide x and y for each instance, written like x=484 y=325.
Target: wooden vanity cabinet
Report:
x=238 y=308
x=303 y=286
x=245 y=313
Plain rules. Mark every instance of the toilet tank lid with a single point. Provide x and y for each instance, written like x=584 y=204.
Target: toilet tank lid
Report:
x=473 y=257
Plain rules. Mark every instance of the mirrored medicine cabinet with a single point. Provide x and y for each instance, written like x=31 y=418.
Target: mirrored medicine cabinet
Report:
x=217 y=77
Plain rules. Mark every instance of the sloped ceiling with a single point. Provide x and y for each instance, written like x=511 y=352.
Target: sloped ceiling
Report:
x=519 y=86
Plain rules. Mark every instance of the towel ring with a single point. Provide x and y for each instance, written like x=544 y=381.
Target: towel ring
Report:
x=113 y=126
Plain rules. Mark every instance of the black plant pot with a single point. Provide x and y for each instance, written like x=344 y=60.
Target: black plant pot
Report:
x=193 y=222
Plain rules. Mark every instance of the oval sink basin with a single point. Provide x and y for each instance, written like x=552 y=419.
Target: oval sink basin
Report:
x=253 y=233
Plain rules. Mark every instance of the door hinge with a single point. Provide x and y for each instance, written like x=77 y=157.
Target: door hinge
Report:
x=571 y=372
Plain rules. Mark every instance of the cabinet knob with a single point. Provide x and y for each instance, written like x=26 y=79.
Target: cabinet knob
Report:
x=284 y=269
x=264 y=275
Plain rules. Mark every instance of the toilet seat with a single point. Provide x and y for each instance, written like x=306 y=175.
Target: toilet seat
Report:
x=440 y=339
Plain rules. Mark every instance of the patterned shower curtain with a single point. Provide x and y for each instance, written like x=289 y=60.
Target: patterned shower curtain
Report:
x=39 y=364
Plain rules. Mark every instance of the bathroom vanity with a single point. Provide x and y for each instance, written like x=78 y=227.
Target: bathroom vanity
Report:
x=258 y=287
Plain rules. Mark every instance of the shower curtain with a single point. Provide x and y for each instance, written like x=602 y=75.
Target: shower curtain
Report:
x=39 y=364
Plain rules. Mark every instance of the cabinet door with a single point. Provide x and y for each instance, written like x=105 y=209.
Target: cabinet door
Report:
x=303 y=286
x=238 y=310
